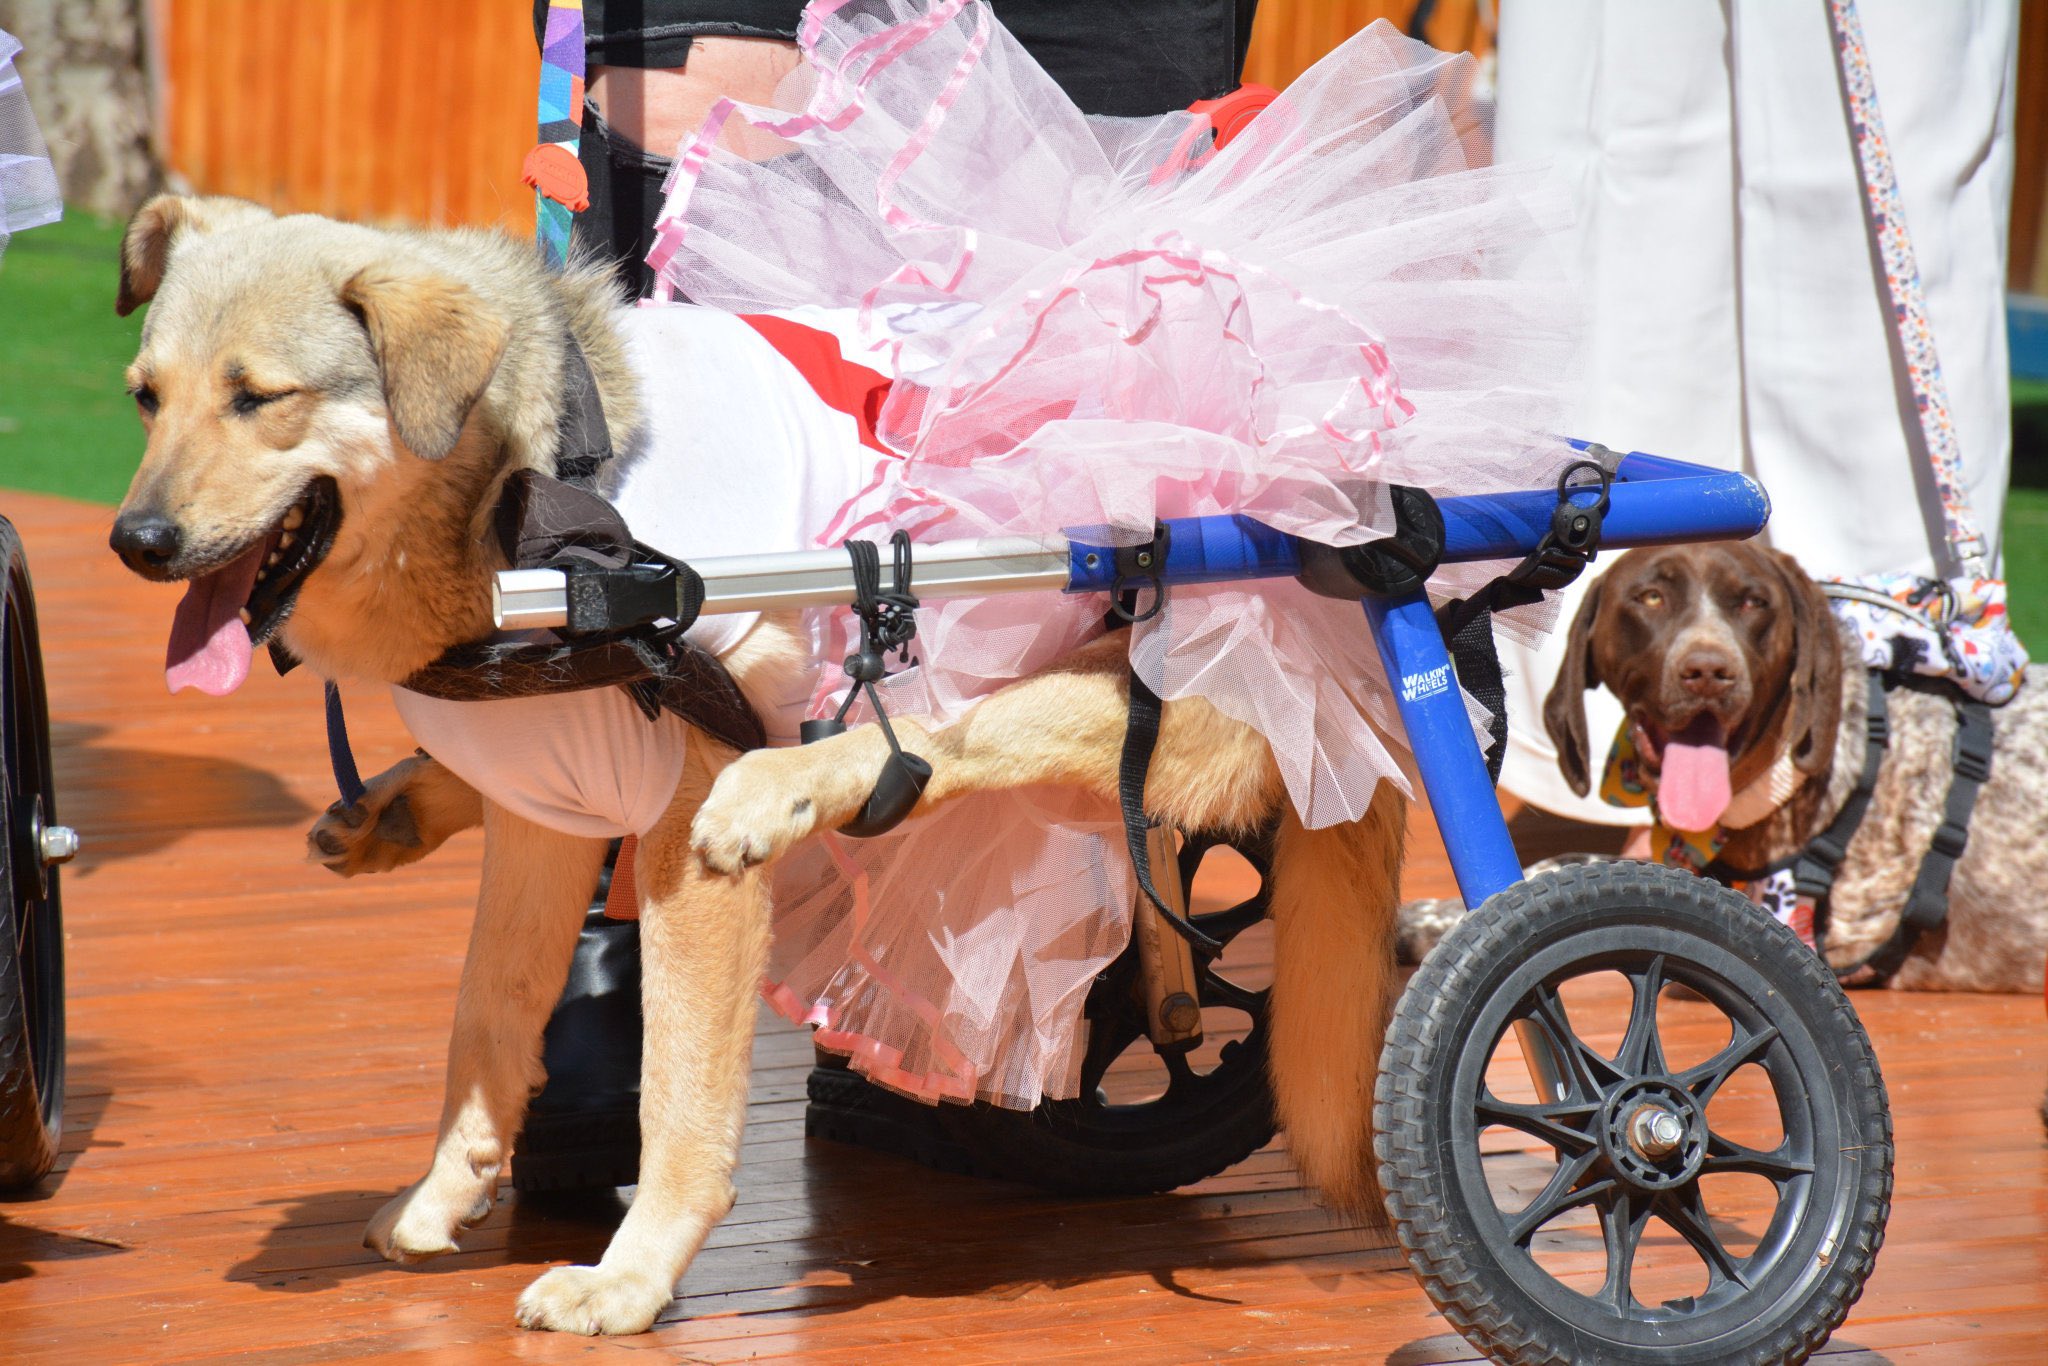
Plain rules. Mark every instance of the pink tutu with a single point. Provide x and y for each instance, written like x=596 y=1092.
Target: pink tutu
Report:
x=1089 y=331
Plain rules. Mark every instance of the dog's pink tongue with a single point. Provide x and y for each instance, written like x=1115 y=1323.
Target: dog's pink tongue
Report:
x=210 y=648
x=1692 y=789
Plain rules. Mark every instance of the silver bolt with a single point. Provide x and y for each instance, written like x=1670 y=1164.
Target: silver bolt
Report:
x=60 y=844
x=1656 y=1132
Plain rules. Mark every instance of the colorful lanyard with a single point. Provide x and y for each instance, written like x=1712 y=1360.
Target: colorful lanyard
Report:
x=1887 y=215
x=552 y=168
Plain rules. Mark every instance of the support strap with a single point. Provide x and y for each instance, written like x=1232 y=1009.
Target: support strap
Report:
x=1927 y=904
x=888 y=621
x=1571 y=544
x=1813 y=872
x=347 y=781
x=1141 y=729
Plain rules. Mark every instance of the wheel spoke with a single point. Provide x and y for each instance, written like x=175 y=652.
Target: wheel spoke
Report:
x=1623 y=1216
x=1562 y=1192
x=1684 y=1211
x=1725 y=1156
x=1179 y=1071
x=1219 y=990
x=1708 y=1077
x=1107 y=1040
x=1642 y=1052
x=1561 y=1126
x=1590 y=1073
x=1224 y=926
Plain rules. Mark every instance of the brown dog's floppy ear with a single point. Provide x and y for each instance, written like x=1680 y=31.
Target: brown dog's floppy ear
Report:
x=1564 y=710
x=155 y=229
x=437 y=346
x=1815 y=687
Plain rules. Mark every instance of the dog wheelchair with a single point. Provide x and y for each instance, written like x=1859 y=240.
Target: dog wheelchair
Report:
x=32 y=846
x=1546 y=1273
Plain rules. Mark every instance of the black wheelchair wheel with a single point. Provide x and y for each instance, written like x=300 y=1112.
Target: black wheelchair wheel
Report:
x=31 y=929
x=1145 y=1120
x=1733 y=1057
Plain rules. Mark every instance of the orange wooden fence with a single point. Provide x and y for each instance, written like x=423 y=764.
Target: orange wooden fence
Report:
x=382 y=110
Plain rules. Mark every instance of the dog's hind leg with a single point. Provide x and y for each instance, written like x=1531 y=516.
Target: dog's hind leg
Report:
x=1334 y=896
x=536 y=884
x=703 y=946
x=406 y=813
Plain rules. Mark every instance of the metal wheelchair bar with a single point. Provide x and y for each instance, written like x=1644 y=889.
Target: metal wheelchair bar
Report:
x=1454 y=776
x=1653 y=501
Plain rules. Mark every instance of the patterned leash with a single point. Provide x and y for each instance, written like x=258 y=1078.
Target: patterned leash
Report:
x=552 y=168
x=1887 y=215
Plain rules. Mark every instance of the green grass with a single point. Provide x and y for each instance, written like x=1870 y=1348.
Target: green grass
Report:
x=67 y=427
x=66 y=424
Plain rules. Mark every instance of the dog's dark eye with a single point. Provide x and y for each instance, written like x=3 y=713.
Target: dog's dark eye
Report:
x=247 y=401
x=1753 y=602
x=145 y=399
x=1650 y=597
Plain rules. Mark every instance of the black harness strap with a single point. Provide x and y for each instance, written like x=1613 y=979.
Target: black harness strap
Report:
x=347 y=781
x=583 y=439
x=1571 y=544
x=1135 y=565
x=1927 y=904
x=1815 y=867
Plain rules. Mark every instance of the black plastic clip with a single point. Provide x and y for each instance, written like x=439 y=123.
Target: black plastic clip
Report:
x=603 y=598
x=1144 y=563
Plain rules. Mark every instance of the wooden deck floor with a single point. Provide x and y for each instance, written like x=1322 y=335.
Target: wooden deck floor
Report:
x=256 y=1050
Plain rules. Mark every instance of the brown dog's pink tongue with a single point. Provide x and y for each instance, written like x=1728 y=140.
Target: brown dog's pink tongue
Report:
x=1692 y=789
x=210 y=648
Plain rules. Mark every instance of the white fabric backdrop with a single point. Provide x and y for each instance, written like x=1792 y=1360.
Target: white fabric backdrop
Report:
x=1737 y=316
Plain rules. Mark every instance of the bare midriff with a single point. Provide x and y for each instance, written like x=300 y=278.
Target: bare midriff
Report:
x=658 y=108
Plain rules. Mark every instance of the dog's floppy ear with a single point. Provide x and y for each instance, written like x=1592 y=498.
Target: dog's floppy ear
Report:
x=156 y=228
x=437 y=345
x=1564 y=711
x=1815 y=687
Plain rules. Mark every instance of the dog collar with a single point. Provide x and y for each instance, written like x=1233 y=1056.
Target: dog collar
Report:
x=1626 y=783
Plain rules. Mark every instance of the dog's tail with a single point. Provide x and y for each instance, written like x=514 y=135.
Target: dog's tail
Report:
x=1334 y=894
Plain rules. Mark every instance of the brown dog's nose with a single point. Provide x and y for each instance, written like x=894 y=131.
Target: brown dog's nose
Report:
x=1706 y=673
x=146 y=542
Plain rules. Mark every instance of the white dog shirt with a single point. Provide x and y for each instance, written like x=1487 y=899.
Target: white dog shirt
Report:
x=742 y=452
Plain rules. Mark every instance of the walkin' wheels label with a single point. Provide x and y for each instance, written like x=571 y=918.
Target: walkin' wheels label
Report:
x=1428 y=683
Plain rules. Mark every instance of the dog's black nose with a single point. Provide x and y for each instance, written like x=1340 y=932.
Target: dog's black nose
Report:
x=1706 y=673
x=146 y=542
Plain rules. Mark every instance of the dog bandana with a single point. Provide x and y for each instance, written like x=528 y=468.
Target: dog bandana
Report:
x=1624 y=784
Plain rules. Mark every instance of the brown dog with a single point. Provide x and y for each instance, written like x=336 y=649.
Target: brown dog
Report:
x=1746 y=701
x=332 y=411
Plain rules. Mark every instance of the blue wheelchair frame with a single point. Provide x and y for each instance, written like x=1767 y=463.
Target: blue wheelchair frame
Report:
x=1654 y=501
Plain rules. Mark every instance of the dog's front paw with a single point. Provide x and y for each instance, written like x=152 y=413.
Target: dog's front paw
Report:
x=753 y=815
x=421 y=1222
x=375 y=835
x=591 y=1300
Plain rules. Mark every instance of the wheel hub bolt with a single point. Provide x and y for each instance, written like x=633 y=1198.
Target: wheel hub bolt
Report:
x=1656 y=1132
x=1180 y=1012
x=59 y=844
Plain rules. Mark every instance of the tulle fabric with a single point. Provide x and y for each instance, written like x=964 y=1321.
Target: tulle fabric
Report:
x=1093 y=329
x=28 y=183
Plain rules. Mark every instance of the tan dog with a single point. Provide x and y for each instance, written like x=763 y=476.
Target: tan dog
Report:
x=332 y=411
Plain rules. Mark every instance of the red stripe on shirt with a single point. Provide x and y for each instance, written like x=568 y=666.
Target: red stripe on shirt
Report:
x=841 y=384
